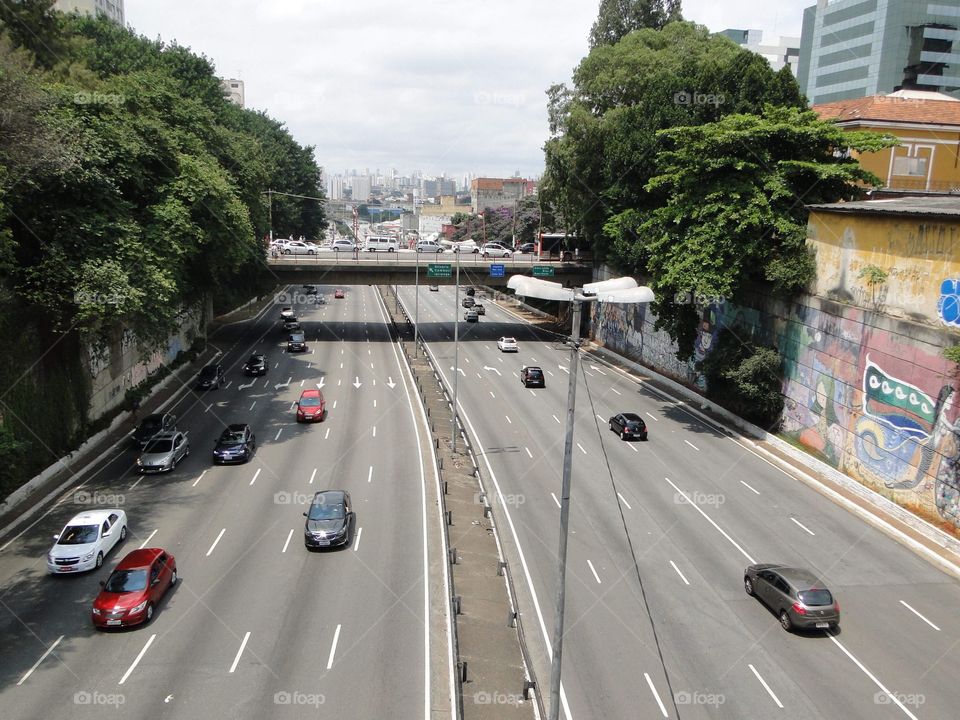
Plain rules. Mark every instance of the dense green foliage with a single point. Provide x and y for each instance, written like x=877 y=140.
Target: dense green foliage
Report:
x=129 y=189
x=952 y=353
x=616 y=18
x=500 y=225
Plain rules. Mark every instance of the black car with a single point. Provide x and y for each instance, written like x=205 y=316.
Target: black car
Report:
x=480 y=309
x=527 y=248
x=330 y=520
x=532 y=376
x=471 y=291
x=154 y=425
x=310 y=289
x=297 y=343
x=236 y=444
x=255 y=365
x=211 y=377
x=468 y=302
x=629 y=425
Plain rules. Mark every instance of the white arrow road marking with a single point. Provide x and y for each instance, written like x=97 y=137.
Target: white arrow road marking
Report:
x=487 y=367
x=594 y=367
x=42 y=658
x=356 y=383
x=244 y=387
x=283 y=385
x=564 y=369
x=390 y=383
x=320 y=384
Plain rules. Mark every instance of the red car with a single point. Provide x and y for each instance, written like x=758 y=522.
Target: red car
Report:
x=338 y=293
x=131 y=593
x=311 y=406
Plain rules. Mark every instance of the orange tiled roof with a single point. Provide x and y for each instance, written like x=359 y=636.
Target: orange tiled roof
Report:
x=891 y=109
x=488 y=184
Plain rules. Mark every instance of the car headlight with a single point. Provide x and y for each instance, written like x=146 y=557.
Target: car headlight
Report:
x=139 y=462
x=50 y=558
x=138 y=608
x=88 y=556
x=97 y=611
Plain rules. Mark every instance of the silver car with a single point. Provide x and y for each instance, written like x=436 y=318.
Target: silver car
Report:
x=796 y=596
x=163 y=452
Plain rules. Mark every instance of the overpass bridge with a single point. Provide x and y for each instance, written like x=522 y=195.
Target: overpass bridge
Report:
x=400 y=268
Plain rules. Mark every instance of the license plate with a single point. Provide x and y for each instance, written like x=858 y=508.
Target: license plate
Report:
x=823 y=625
x=113 y=622
x=323 y=542
x=67 y=569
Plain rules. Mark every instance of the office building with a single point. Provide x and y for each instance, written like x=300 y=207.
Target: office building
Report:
x=856 y=48
x=787 y=52
x=111 y=9
x=233 y=91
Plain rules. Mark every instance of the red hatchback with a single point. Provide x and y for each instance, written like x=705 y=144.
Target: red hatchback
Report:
x=338 y=293
x=131 y=593
x=311 y=406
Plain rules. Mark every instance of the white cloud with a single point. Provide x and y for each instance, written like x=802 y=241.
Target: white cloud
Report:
x=426 y=85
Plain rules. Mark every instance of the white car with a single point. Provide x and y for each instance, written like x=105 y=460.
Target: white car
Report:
x=296 y=247
x=343 y=246
x=86 y=540
x=495 y=250
x=428 y=246
x=163 y=452
x=507 y=344
x=466 y=246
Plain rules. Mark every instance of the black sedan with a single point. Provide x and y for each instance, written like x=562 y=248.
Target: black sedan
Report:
x=527 y=248
x=236 y=444
x=153 y=425
x=329 y=521
x=255 y=365
x=629 y=425
x=211 y=377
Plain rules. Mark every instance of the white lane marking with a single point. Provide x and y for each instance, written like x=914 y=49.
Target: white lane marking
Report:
x=236 y=660
x=370 y=474
x=369 y=352
x=374 y=430
x=653 y=417
x=313 y=475
x=327 y=434
x=674 y=565
x=278 y=434
x=466 y=358
x=508 y=419
x=550 y=373
x=144 y=544
x=692 y=445
x=227 y=386
x=616 y=391
x=136 y=482
x=656 y=694
x=528 y=452
x=710 y=520
x=581 y=448
x=339 y=382
x=480 y=376
x=492 y=395
x=749 y=487
x=208 y=408
x=587 y=372
x=199 y=478
x=302 y=382
x=334 y=404
x=333 y=648
x=254 y=403
x=356 y=540
x=255 y=476
x=341 y=366
x=915 y=612
x=290 y=535
x=555 y=499
x=801 y=525
x=631 y=446
x=216 y=541
x=624 y=501
x=600 y=418
x=766 y=687
x=532 y=392
x=42 y=658
x=293 y=404
x=557 y=419
x=374 y=402
x=594 y=571
x=137 y=660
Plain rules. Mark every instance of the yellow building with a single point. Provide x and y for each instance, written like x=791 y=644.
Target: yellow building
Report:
x=447 y=208
x=928 y=126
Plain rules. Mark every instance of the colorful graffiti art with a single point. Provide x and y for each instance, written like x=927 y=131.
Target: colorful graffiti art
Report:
x=948 y=306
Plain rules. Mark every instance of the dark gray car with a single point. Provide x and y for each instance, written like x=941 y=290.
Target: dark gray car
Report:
x=329 y=520
x=797 y=596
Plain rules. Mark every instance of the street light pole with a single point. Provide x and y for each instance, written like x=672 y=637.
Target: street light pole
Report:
x=416 y=309
x=557 y=645
x=456 y=352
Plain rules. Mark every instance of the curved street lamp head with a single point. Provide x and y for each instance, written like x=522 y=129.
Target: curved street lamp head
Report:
x=615 y=290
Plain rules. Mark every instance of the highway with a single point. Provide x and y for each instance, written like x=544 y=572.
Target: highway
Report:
x=657 y=621
x=257 y=627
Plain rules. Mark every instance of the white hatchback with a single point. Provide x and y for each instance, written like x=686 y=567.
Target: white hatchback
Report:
x=85 y=540
x=508 y=344
x=495 y=250
x=428 y=246
x=296 y=247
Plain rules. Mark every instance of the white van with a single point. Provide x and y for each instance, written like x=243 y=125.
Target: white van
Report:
x=381 y=243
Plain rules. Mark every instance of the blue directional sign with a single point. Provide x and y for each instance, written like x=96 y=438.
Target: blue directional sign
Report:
x=497 y=270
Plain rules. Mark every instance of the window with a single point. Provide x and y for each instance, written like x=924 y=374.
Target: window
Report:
x=916 y=166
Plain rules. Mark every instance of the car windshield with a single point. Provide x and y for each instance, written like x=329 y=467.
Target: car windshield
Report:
x=123 y=581
x=208 y=372
x=332 y=511
x=819 y=596
x=296 y=338
x=255 y=360
x=151 y=424
x=78 y=535
x=234 y=438
x=633 y=423
x=309 y=402
x=534 y=373
x=159 y=446
x=509 y=341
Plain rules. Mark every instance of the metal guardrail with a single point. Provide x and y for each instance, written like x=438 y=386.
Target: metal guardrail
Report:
x=409 y=258
x=504 y=570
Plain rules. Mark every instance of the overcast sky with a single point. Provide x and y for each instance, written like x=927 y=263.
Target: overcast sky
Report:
x=428 y=85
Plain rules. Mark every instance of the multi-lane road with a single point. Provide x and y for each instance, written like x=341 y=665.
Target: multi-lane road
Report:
x=257 y=627
x=657 y=621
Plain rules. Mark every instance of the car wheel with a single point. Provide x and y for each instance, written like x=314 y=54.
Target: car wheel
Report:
x=309 y=252
x=785 y=621
x=123 y=533
x=476 y=251
x=748 y=586
x=149 y=612
x=173 y=579
x=389 y=250
x=99 y=560
x=336 y=249
x=286 y=252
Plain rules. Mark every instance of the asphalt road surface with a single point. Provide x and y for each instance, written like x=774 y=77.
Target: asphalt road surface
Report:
x=258 y=627
x=657 y=621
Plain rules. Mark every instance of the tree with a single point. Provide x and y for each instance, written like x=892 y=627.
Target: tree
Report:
x=617 y=18
x=952 y=354
x=745 y=379
x=874 y=276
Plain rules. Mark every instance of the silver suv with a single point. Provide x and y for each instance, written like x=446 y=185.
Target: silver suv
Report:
x=796 y=596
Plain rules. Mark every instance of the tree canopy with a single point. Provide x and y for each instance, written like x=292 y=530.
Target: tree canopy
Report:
x=616 y=18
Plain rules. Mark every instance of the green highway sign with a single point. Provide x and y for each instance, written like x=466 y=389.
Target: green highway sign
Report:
x=442 y=270
x=543 y=270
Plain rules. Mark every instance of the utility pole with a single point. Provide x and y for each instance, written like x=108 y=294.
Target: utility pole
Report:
x=456 y=351
x=270 y=200
x=416 y=309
